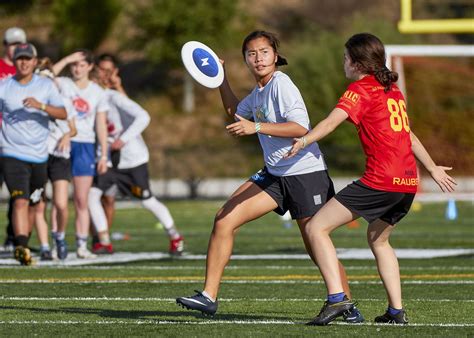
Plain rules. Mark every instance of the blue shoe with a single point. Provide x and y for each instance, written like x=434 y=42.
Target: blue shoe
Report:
x=353 y=316
x=198 y=302
x=61 y=247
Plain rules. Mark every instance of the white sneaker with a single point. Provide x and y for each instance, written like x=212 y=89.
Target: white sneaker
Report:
x=85 y=254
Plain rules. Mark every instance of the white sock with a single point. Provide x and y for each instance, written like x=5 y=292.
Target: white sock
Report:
x=60 y=235
x=81 y=241
x=97 y=210
x=163 y=214
x=205 y=294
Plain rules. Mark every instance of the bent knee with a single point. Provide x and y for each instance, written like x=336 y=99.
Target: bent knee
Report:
x=61 y=206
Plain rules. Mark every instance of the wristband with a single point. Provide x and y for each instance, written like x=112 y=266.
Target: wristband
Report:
x=257 y=127
x=43 y=107
x=303 y=139
x=103 y=158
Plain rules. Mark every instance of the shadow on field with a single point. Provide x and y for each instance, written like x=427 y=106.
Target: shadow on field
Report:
x=138 y=315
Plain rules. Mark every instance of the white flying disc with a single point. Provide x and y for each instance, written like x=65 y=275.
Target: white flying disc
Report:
x=202 y=64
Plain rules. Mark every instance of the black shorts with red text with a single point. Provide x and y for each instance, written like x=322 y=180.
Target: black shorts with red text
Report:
x=133 y=181
x=372 y=204
x=25 y=179
x=302 y=195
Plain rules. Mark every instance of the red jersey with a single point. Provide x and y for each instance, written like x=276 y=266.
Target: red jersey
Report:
x=384 y=131
x=6 y=70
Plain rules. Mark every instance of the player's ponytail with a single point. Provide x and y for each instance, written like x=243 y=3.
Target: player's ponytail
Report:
x=367 y=52
x=272 y=40
x=385 y=77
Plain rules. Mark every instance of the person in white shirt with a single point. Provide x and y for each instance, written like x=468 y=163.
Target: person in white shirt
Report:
x=300 y=184
x=129 y=171
x=90 y=103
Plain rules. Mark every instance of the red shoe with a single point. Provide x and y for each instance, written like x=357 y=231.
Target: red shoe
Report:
x=177 y=246
x=102 y=249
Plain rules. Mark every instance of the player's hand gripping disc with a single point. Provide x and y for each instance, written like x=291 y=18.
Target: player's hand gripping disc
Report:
x=202 y=64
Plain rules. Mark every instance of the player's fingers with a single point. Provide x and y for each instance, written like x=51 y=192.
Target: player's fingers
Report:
x=447 y=187
x=232 y=125
x=452 y=180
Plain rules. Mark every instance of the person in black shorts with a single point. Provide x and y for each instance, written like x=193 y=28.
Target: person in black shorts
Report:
x=128 y=164
x=384 y=194
x=275 y=112
x=28 y=102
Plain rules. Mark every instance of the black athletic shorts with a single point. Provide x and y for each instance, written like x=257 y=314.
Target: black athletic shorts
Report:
x=59 y=168
x=372 y=204
x=302 y=195
x=25 y=179
x=133 y=181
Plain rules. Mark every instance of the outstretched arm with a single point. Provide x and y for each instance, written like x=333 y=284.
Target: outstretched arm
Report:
x=285 y=129
x=229 y=100
x=322 y=129
x=438 y=173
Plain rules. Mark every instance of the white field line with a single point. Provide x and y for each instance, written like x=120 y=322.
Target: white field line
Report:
x=157 y=299
x=216 y=322
x=198 y=280
x=237 y=267
x=343 y=253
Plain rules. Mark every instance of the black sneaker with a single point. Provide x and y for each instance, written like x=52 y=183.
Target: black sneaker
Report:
x=198 y=302
x=388 y=318
x=353 y=316
x=46 y=255
x=61 y=248
x=331 y=311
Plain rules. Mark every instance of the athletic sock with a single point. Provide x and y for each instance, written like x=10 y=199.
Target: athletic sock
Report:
x=21 y=240
x=81 y=241
x=104 y=238
x=336 y=297
x=60 y=235
x=99 y=219
x=54 y=235
x=393 y=311
x=163 y=214
x=44 y=247
x=205 y=294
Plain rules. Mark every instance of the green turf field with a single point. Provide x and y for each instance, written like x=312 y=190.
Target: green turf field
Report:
x=258 y=297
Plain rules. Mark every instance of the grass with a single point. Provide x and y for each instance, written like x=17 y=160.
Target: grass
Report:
x=257 y=297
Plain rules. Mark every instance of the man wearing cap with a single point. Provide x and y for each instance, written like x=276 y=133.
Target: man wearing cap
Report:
x=13 y=37
x=28 y=102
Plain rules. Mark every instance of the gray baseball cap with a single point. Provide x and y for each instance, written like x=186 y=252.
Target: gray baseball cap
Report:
x=14 y=35
x=25 y=49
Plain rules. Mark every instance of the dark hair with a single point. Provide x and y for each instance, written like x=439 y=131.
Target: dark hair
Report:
x=88 y=56
x=272 y=39
x=107 y=57
x=368 y=53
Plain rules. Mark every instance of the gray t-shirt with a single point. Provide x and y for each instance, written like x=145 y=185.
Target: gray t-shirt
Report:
x=25 y=130
x=278 y=102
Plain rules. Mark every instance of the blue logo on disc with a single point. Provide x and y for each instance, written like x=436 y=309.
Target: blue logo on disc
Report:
x=205 y=62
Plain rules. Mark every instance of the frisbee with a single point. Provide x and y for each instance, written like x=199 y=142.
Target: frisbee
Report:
x=202 y=64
